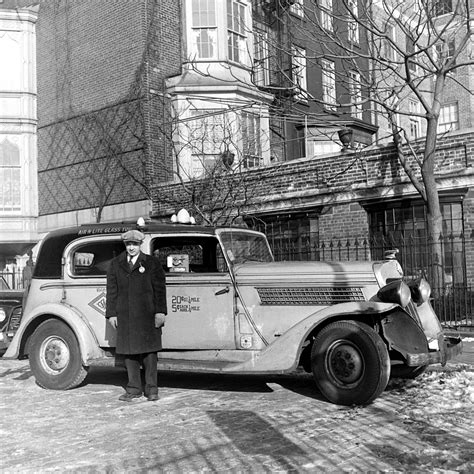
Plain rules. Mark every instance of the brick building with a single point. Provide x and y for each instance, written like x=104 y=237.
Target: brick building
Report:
x=100 y=76
x=127 y=97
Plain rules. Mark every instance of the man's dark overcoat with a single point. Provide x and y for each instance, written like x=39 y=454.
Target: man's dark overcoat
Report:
x=134 y=296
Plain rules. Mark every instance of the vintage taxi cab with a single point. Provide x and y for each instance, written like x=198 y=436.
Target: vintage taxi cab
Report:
x=233 y=309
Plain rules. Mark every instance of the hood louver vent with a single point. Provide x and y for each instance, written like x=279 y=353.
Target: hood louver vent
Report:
x=309 y=296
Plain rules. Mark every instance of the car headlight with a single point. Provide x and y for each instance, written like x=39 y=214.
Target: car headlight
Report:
x=420 y=290
x=3 y=315
x=395 y=292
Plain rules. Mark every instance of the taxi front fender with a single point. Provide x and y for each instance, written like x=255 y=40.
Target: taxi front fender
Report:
x=88 y=343
x=282 y=355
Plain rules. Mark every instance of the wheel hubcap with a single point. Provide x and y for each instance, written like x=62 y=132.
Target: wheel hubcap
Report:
x=54 y=355
x=344 y=362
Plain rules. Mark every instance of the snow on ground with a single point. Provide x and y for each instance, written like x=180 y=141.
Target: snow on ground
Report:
x=437 y=391
x=438 y=407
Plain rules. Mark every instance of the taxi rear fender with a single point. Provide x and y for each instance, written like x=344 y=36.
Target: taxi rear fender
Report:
x=284 y=353
x=74 y=319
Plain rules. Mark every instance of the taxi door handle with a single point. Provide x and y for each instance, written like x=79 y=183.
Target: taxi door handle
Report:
x=223 y=291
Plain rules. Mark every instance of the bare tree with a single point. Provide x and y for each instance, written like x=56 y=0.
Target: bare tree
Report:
x=413 y=51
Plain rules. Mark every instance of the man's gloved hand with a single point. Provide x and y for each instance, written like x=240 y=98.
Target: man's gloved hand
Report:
x=113 y=322
x=159 y=320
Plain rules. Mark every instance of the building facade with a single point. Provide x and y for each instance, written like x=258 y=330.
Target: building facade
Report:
x=18 y=157
x=140 y=111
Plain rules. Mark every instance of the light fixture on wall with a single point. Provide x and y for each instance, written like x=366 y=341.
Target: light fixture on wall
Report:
x=227 y=158
x=345 y=136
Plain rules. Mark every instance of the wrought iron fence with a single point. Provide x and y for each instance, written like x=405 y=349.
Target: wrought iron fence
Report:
x=453 y=298
x=13 y=280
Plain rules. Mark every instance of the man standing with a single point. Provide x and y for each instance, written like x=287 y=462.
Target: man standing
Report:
x=136 y=307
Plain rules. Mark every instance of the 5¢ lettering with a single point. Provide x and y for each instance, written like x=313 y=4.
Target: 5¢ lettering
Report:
x=184 y=303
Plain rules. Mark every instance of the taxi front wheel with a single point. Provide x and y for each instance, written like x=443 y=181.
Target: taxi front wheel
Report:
x=55 y=357
x=350 y=363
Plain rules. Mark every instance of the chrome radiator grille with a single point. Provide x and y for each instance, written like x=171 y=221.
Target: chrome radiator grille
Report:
x=309 y=296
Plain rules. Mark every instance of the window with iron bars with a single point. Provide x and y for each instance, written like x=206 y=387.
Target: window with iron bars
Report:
x=403 y=225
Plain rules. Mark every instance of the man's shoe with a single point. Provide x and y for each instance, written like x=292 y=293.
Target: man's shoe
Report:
x=128 y=397
x=153 y=397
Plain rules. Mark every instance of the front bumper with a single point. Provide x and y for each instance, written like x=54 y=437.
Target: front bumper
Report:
x=449 y=347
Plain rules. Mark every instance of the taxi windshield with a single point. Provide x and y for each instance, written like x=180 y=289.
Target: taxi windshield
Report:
x=241 y=246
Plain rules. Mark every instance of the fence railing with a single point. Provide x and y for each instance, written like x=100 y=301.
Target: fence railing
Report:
x=453 y=298
x=14 y=280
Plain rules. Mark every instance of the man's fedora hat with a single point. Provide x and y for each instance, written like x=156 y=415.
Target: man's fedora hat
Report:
x=133 y=236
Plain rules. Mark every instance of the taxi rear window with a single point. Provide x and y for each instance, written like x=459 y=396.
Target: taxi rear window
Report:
x=48 y=263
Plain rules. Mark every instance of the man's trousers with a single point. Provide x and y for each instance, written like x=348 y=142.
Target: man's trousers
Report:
x=133 y=362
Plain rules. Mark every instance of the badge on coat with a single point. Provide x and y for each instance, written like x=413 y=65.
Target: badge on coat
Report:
x=142 y=268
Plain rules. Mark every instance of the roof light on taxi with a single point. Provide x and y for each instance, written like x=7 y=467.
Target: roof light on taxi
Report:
x=140 y=222
x=183 y=217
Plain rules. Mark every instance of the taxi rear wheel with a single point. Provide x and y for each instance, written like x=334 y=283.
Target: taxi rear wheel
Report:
x=55 y=357
x=350 y=363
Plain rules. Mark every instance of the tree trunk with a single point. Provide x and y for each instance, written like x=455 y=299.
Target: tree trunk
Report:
x=435 y=219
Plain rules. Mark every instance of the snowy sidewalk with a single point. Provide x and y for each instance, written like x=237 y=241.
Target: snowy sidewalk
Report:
x=207 y=423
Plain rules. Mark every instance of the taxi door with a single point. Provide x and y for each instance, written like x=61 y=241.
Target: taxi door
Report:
x=200 y=294
x=85 y=282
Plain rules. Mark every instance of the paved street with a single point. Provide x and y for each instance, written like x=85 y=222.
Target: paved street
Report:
x=209 y=423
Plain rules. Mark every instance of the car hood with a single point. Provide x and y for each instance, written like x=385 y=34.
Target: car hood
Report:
x=326 y=273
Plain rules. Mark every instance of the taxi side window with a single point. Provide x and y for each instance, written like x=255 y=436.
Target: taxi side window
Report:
x=93 y=259
x=189 y=254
